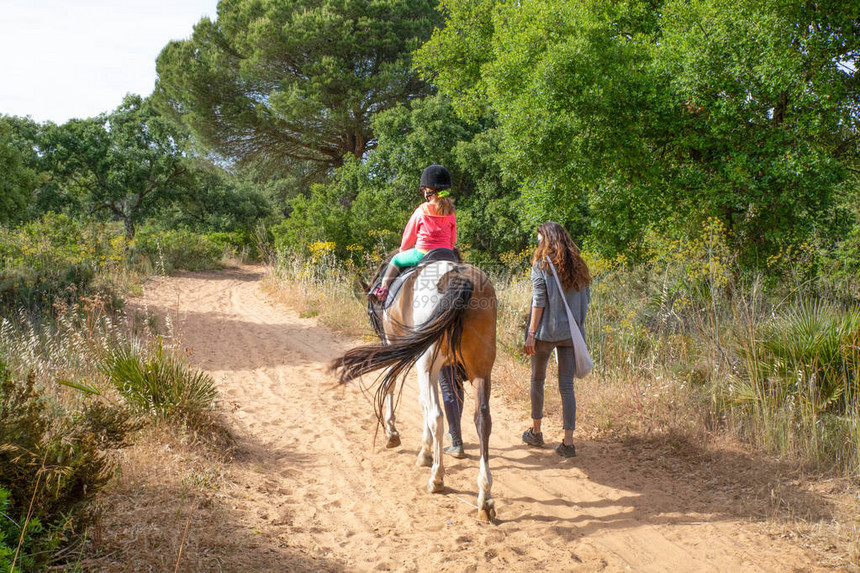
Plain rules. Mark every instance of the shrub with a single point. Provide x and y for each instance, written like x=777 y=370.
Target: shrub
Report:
x=800 y=389
x=10 y=533
x=52 y=463
x=51 y=259
x=808 y=354
x=175 y=249
x=58 y=259
x=235 y=240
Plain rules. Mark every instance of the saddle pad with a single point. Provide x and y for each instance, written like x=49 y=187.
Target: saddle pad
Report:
x=398 y=282
x=433 y=256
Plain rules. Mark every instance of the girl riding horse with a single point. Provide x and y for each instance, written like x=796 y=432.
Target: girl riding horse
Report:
x=443 y=315
x=433 y=225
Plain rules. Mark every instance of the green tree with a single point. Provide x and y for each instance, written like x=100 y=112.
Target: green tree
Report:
x=25 y=143
x=124 y=163
x=633 y=115
x=294 y=82
x=215 y=200
x=429 y=131
x=765 y=116
x=325 y=213
x=368 y=202
x=17 y=180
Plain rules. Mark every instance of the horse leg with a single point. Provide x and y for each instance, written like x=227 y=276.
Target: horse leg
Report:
x=425 y=455
x=484 y=424
x=431 y=443
x=391 y=433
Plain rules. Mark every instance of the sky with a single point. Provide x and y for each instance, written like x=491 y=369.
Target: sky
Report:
x=63 y=59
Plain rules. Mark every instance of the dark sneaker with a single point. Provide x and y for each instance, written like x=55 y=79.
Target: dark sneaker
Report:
x=533 y=439
x=455 y=450
x=566 y=451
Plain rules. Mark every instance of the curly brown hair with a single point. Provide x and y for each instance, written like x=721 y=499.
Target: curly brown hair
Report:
x=564 y=254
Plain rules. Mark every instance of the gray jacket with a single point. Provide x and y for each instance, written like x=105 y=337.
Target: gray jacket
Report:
x=553 y=325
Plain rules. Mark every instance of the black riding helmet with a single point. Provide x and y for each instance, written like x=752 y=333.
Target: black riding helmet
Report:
x=436 y=177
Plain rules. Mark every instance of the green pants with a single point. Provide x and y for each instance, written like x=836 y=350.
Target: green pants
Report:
x=408 y=258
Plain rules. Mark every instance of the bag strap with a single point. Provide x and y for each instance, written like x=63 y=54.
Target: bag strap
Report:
x=574 y=329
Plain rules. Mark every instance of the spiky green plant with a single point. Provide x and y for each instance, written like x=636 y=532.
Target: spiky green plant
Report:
x=807 y=350
x=158 y=382
x=802 y=383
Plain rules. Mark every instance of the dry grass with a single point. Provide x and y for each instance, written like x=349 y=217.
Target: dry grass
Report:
x=164 y=479
x=333 y=298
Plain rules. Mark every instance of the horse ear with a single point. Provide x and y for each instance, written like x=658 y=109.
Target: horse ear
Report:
x=360 y=289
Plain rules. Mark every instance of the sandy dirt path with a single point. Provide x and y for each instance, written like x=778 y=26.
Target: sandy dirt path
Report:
x=309 y=481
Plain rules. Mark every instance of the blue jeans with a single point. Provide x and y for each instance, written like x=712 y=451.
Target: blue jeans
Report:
x=452 y=400
x=566 y=367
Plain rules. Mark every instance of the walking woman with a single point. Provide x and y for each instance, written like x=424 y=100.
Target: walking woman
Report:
x=549 y=327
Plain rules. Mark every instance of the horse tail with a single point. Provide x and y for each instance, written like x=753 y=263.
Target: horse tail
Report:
x=444 y=325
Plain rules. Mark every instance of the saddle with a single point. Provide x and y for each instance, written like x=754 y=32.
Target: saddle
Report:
x=374 y=307
x=433 y=256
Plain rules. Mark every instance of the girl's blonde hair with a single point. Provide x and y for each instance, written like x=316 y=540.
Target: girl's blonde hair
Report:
x=564 y=254
x=445 y=206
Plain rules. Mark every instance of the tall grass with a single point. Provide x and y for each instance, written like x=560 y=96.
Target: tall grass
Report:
x=321 y=286
x=780 y=373
x=684 y=344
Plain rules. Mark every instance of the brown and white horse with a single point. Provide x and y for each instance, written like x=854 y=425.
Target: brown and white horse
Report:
x=444 y=313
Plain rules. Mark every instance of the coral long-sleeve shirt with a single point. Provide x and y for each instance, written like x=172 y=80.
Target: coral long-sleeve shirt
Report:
x=427 y=231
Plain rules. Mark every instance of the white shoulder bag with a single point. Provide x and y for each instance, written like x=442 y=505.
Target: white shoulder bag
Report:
x=584 y=363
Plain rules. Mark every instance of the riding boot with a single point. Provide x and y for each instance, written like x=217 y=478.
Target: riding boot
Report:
x=452 y=400
x=389 y=275
x=381 y=291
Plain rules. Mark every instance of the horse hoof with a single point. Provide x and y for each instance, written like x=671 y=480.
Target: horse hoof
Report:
x=435 y=487
x=487 y=515
x=424 y=462
x=393 y=440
